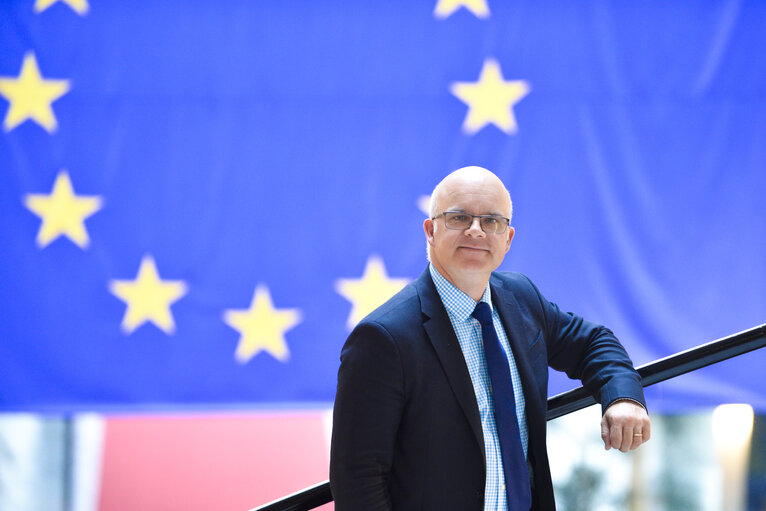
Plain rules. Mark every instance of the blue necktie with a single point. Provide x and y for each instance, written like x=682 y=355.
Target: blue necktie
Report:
x=514 y=465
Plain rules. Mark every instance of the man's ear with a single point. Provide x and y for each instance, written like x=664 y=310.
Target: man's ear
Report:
x=428 y=228
x=511 y=233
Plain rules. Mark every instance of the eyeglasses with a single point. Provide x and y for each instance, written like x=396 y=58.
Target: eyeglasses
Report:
x=460 y=221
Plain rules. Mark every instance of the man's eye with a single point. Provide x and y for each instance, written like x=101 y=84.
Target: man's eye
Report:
x=490 y=220
x=460 y=218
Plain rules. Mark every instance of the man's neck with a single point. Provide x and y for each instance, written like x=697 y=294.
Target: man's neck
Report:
x=472 y=284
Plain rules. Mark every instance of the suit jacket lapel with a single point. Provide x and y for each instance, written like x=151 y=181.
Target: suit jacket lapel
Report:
x=442 y=336
x=513 y=314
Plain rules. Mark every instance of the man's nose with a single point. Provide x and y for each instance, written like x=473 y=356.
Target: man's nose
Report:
x=475 y=228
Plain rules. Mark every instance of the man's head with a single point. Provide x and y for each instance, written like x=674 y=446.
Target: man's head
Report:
x=468 y=255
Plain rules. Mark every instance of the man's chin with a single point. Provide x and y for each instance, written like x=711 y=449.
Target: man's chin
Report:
x=480 y=261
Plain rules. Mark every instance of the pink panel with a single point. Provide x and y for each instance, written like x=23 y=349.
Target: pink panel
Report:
x=201 y=463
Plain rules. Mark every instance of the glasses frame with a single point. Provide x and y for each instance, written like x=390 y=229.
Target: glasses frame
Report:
x=480 y=217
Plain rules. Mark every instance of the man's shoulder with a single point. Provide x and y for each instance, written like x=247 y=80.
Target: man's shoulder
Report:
x=402 y=305
x=511 y=279
x=517 y=284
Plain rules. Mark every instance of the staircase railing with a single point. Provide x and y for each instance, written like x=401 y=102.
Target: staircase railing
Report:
x=577 y=399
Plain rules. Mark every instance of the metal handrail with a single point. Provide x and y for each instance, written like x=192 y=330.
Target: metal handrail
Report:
x=579 y=398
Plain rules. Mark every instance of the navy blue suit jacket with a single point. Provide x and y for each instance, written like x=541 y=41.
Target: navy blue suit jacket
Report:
x=406 y=428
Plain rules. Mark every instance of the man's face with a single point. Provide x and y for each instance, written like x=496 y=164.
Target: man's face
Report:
x=458 y=253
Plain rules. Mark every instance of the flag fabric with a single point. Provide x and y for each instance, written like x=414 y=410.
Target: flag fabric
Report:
x=198 y=200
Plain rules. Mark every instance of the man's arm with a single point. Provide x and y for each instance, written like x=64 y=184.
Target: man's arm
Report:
x=366 y=416
x=606 y=370
x=592 y=354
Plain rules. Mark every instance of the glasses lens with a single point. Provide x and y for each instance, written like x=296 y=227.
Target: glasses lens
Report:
x=493 y=225
x=458 y=220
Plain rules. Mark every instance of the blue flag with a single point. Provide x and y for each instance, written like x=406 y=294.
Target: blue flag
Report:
x=198 y=200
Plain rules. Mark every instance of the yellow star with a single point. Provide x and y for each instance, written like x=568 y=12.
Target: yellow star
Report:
x=262 y=327
x=62 y=212
x=31 y=96
x=445 y=8
x=424 y=204
x=370 y=291
x=79 y=6
x=491 y=99
x=148 y=298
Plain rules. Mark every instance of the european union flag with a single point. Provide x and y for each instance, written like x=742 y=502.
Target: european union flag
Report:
x=199 y=199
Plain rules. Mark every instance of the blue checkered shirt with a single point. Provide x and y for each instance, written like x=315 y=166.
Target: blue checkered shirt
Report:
x=468 y=330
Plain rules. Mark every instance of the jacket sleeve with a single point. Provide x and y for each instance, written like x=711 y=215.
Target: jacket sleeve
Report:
x=366 y=416
x=590 y=353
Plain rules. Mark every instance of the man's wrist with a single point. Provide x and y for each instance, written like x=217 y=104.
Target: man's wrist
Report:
x=626 y=399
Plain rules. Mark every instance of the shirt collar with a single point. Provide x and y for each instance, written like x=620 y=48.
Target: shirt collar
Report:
x=458 y=304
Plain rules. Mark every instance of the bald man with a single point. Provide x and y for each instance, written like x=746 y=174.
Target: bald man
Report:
x=442 y=391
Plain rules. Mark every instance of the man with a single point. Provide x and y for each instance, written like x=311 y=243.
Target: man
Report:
x=442 y=391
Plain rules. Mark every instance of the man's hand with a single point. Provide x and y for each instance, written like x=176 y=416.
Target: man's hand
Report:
x=625 y=425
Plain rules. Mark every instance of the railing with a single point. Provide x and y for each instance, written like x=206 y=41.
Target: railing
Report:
x=568 y=402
